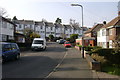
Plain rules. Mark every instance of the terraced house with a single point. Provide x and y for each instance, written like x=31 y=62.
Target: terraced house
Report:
x=47 y=28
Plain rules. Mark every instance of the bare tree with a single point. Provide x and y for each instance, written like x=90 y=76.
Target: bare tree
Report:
x=3 y=12
x=74 y=23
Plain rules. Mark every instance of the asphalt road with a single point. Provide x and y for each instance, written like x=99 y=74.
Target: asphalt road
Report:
x=35 y=64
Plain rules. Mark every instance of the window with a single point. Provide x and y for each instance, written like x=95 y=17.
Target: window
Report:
x=103 y=32
x=70 y=30
x=4 y=37
x=14 y=46
x=20 y=26
x=6 y=47
x=31 y=26
x=42 y=31
x=38 y=42
x=41 y=27
x=110 y=31
x=4 y=25
x=98 y=33
x=51 y=28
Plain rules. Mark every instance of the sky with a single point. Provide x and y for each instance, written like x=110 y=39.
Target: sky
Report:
x=95 y=11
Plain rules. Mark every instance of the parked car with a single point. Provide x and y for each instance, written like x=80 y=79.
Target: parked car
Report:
x=62 y=41
x=9 y=51
x=57 y=41
x=38 y=44
x=67 y=44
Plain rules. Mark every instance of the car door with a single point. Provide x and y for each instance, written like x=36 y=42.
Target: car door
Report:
x=7 y=51
x=14 y=50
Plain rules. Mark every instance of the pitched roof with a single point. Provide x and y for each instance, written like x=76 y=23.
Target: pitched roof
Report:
x=114 y=22
x=76 y=27
x=8 y=21
x=50 y=24
x=26 y=21
x=68 y=26
x=94 y=28
x=39 y=23
x=59 y=25
x=84 y=28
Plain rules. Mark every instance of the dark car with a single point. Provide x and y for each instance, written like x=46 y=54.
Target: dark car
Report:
x=9 y=51
x=62 y=41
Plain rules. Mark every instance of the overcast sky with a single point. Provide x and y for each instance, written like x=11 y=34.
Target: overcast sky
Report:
x=94 y=12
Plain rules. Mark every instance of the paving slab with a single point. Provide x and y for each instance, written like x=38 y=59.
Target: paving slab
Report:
x=73 y=66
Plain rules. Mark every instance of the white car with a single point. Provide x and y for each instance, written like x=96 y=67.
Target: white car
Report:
x=57 y=41
x=38 y=44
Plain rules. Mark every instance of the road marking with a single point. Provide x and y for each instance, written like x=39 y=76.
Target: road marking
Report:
x=55 y=67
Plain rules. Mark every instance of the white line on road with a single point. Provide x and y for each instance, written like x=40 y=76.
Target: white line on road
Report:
x=55 y=67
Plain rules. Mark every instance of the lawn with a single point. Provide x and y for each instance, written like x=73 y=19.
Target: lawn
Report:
x=111 y=70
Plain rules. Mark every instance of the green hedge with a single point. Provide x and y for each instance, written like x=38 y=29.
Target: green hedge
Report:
x=88 y=48
x=109 y=54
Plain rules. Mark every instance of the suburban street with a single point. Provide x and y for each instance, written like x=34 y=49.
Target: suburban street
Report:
x=54 y=62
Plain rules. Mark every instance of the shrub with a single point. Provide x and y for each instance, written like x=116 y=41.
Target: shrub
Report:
x=96 y=47
x=88 y=48
x=73 y=37
x=99 y=58
x=68 y=39
x=109 y=55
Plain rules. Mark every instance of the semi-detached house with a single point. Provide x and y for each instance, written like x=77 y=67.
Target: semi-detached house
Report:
x=109 y=33
x=7 y=29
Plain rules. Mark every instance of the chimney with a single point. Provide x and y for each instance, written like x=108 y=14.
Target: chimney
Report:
x=104 y=22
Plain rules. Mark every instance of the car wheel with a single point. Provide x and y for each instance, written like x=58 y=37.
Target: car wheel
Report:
x=44 y=48
x=3 y=61
x=17 y=57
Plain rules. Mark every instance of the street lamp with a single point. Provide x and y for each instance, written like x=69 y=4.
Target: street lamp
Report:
x=82 y=28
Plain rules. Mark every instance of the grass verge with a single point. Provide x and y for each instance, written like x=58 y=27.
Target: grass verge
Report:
x=111 y=70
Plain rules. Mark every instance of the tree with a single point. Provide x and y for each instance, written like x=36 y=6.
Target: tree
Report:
x=58 y=20
x=3 y=12
x=15 y=18
x=74 y=23
x=73 y=37
x=30 y=34
x=51 y=37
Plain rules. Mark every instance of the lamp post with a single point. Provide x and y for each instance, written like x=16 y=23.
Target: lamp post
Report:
x=82 y=28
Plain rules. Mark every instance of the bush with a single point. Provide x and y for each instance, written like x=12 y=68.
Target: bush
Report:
x=73 y=37
x=109 y=55
x=88 y=48
x=96 y=47
x=99 y=58
x=79 y=45
x=68 y=39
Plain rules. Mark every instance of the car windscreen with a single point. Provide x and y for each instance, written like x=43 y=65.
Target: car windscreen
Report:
x=38 y=42
x=67 y=43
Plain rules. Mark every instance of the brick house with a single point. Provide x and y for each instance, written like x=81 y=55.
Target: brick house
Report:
x=108 y=33
x=90 y=36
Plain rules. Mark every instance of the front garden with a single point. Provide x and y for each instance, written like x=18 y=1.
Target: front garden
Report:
x=108 y=58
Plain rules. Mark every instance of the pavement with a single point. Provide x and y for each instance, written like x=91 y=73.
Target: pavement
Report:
x=73 y=66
